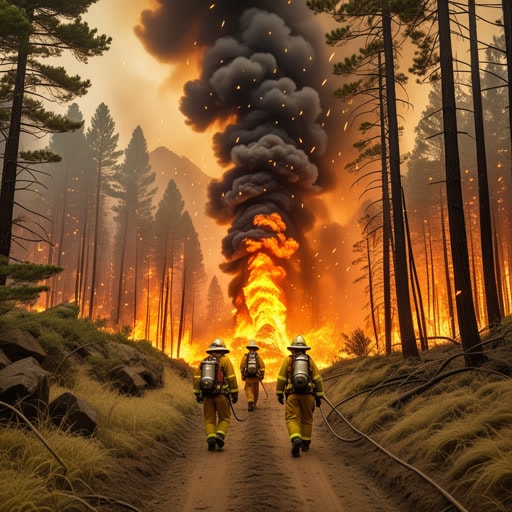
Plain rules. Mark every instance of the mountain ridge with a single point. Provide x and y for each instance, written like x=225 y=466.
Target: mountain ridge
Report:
x=192 y=183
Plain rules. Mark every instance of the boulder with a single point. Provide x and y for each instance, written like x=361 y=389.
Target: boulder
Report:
x=73 y=413
x=126 y=380
x=18 y=344
x=4 y=360
x=153 y=376
x=24 y=385
x=127 y=353
x=150 y=370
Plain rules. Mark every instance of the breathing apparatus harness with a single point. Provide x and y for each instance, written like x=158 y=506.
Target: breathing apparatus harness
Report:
x=212 y=381
x=299 y=374
x=252 y=369
x=212 y=376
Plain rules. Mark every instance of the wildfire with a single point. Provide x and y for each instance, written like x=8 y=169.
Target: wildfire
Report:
x=261 y=308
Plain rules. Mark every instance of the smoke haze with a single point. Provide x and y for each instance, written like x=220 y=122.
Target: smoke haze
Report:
x=262 y=85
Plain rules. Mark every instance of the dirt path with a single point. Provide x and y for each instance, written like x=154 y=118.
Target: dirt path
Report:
x=256 y=472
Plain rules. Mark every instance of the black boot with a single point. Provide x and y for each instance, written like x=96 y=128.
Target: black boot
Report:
x=219 y=440
x=211 y=444
x=296 y=444
x=305 y=445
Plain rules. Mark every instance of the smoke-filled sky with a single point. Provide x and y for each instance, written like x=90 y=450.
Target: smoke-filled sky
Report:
x=234 y=86
x=165 y=72
x=141 y=77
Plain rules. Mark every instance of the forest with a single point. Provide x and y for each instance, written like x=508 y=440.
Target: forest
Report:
x=434 y=247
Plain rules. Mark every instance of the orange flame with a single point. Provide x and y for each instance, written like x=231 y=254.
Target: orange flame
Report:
x=261 y=307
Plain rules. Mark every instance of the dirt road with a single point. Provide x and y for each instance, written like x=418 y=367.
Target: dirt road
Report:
x=255 y=471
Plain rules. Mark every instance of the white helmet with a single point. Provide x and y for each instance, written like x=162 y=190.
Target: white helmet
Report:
x=252 y=345
x=298 y=343
x=217 y=345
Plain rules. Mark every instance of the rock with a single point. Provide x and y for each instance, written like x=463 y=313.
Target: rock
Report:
x=24 y=385
x=150 y=370
x=4 y=360
x=153 y=376
x=72 y=413
x=127 y=353
x=126 y=380
x=18 y=344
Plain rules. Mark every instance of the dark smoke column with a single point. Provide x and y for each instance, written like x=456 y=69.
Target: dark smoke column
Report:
x=259 y=79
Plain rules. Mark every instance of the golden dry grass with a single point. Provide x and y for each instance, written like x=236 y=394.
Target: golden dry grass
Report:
x=458 y=430
x=54 y=474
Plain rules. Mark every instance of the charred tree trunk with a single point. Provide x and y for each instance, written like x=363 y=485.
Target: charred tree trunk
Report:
x=468 y=327
x=416 y=289
x=409 y=348
x=95 y=241
x=386 y=221
x=507 y=22
x=10 y=164
x=448 y=280
x=181 y=328
x=373 y=309
x=122 y=259
x=488 y=262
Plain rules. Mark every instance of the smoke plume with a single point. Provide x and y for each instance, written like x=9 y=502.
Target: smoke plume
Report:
x=263 y=65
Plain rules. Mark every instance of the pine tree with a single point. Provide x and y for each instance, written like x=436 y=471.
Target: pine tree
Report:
x=21 y=278
x=102 y=141
x=55 y=27
x=131 y=187
x=491 y=290
x=374 y=69
x=216 y=307
x=66 y=193
x=426 y=59
x=167 y=244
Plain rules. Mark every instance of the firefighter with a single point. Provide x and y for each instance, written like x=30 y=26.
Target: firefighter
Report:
x=252 y=369
x=215 y=385
x=300 y=383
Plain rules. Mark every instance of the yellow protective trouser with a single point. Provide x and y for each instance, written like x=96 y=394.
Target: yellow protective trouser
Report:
x=217 y=415
x=298 y=414
x=252 y=389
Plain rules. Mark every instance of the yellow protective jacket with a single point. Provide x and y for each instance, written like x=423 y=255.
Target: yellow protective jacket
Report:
x=261 y=367
x=229 y=384
x=284 y=385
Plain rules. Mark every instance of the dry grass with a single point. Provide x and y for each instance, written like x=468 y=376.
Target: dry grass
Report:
x=55 y=477
x=31 y=479
x=127 y=424
x=458 y=430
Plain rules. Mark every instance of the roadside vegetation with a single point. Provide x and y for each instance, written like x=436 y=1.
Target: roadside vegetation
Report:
x=70 y=472
x=452 y=423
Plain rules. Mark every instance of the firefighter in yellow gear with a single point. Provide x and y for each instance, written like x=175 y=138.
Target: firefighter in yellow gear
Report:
x=300 y=382
x=252 y=369
x=216 y=401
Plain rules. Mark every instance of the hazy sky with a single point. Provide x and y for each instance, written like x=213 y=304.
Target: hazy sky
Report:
x=136 y=88
x=140 y=90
